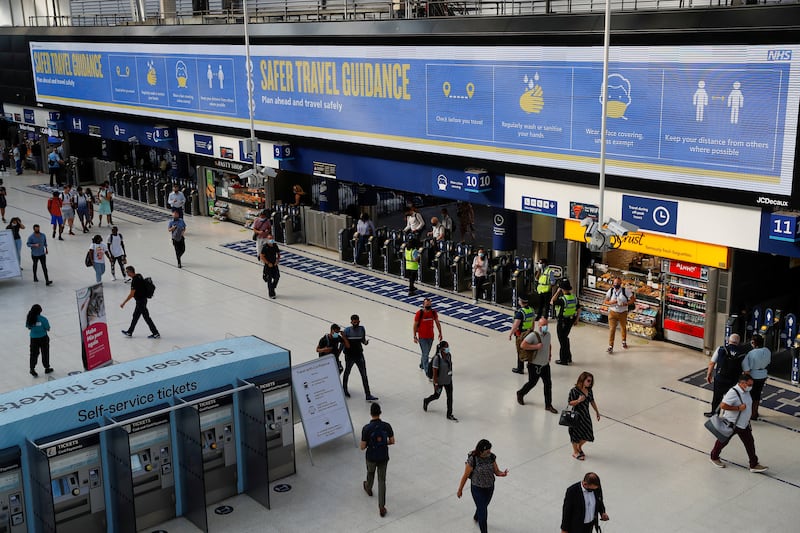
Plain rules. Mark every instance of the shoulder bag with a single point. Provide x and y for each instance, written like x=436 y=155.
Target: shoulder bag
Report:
x=721 y=428
x=89 y=261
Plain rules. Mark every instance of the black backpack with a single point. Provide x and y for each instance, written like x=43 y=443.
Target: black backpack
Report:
x=148 y=288
x=730 y=362
x=378 y=443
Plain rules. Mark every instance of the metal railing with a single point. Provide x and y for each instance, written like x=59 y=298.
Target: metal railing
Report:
x=339 y=10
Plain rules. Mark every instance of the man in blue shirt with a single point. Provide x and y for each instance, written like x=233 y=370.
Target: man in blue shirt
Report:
x=37 y=242
x=177 y=227
x=755 y=364
x=54 y=166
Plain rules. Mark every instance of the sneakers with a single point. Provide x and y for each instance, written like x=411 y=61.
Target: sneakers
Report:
x=113 y=277
x=519 y=399
x=366 y=489
x=382 y=511
x=610 y=349
x=154 y=336
x=48 y=283
x=126 y=333
x=451 y=417
x=517 y=371
x=425 y=403
x=758 y=469
x=48 y=370
x=720 y=464
x=371 y=398
x=624 y=345
x=708 y=414
x=34 y=373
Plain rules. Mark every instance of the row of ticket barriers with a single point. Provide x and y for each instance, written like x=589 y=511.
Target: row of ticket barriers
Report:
x=443 y=264
x=153 y=188
x=194 y=444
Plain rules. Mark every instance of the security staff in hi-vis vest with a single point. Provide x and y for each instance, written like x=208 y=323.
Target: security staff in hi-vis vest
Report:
x=523 y=321
x=567 y=311
x=412 y=264
x=544 y=288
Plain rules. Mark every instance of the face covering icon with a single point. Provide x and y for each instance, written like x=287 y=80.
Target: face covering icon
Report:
x=619 y=96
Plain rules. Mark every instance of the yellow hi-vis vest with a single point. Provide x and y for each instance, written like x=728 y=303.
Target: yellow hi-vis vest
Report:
x=410 y=263
x=544 y=281
x=570 y=305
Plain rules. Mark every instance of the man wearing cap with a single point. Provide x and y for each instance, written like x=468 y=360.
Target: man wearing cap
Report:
x=523 y=321
x=376 y=437
x=332 y=342
x=567 y=311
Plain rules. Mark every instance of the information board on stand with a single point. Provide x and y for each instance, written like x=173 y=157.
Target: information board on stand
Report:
x=320 y=401
x=9 y=264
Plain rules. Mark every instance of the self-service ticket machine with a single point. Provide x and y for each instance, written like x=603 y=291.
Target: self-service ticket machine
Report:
x=12 y=507
x=276 y=388
x=76 y=493
x=152 y=472
x=218 y=441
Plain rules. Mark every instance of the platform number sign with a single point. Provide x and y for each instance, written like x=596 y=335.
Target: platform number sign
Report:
x=784 y=227
x=477 y=180
x=283 y=152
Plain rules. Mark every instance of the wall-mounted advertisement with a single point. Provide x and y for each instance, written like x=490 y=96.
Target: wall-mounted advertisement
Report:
x=718 y=116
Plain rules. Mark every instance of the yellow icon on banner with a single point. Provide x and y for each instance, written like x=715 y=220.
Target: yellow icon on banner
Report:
x=619 y=96
x=446 y=88
x=152 y=78
x=532 y=100
x=470 y=89
x=182 y=74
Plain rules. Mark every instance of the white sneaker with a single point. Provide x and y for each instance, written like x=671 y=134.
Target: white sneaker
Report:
x=113 y=277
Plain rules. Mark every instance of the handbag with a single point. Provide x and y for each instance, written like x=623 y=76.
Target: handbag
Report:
x=89 y=261
x=568 y=418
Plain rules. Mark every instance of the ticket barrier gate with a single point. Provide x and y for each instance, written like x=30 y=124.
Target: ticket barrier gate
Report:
x=501 y=280
x=461 y=268
x=69 y=495
x=12 y=501
x=426 y=267
x=292 y=225
x=521 y=278
x=137 y=185
x=392 y=260
x=146 y=439
x=276 y=216
x=374 y=248
x=441 y=264
x=345 y=242
x=218 y=444
x=162 y=193
x=276 y=391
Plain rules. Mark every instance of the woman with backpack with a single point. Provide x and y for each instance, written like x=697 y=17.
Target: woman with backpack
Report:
x=40 y=342
x=481 y=469
x=440 y=370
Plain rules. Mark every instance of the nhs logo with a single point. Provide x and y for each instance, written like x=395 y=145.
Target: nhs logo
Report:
x=779 y=55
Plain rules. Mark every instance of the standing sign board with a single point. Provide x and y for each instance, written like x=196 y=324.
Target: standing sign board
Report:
x=9 y=263
x=94 y=329
x=320 y=399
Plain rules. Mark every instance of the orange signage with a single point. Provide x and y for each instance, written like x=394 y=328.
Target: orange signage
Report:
x=701 y=253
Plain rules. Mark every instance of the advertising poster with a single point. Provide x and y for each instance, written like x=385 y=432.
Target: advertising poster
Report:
x=721 y=116
x=94 y=329
x=320 y=399
x=9 y=264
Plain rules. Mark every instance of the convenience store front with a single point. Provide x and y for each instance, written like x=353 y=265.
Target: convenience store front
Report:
x=676 y=282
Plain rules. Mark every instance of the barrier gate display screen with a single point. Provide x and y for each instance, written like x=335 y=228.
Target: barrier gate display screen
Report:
x=12 y=510
x=151 y=470
x=217 y=435
x=76 y=479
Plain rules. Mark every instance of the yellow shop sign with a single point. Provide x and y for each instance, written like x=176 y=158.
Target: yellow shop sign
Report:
x=700 y=253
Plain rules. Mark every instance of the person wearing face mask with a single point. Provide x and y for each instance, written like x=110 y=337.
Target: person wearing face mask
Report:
x=735 y=409
x=583 y=505
x=567 y=309
x=523 y=321
x=332 y=343
x=755 y=363
x=15 y=225
x=617 y=299
x=424 y=320
x=480 y=270
x=481 y=469
x=544 y=288
x=442 y=378
x=177 y=228
x=539 y=366
x=437 y=230
x=270 y=255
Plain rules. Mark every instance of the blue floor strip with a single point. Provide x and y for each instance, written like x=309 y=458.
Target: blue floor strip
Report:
x=123 y=205
x=777 y=398
x=449 y=307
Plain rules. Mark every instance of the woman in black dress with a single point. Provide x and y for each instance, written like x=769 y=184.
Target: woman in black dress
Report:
x=580 y=397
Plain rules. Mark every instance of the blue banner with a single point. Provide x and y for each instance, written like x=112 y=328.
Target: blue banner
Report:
x=650 y=213
x=721 y=116
x=117 y=130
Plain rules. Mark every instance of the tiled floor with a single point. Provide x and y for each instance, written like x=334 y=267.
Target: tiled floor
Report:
x=650 y=449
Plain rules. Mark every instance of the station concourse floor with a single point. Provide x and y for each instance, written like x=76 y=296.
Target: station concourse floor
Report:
x=650 y=449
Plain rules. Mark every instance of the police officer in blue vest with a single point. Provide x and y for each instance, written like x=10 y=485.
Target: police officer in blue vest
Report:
x=567 y=311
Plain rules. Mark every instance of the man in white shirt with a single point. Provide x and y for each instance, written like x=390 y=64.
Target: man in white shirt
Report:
x=437 y=230
x=176 y=200
x=364 y=230
x=735 y=409
x=414 y=221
